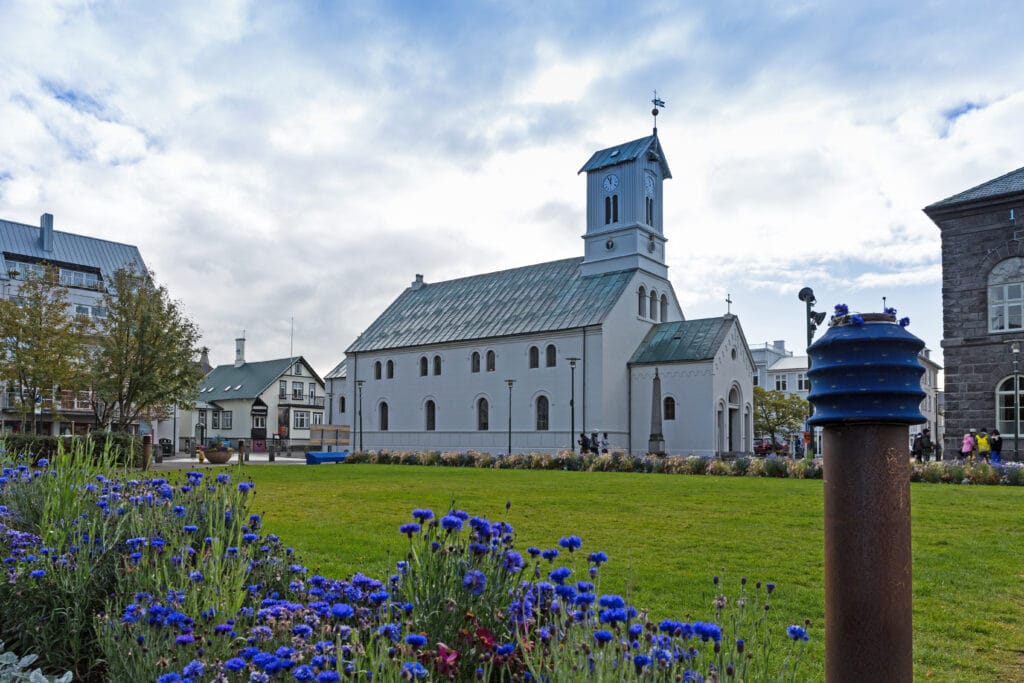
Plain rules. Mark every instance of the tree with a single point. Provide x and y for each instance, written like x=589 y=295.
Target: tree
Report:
x=143 y=358
x=777 y=413
x=43 y=344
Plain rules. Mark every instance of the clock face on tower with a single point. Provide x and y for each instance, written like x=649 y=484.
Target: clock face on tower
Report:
x=611 y=181
x=649 y=186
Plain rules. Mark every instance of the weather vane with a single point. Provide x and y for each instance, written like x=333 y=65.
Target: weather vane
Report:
x=657 y=102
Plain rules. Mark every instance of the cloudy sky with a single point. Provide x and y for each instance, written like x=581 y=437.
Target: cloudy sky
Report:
x=302 y=161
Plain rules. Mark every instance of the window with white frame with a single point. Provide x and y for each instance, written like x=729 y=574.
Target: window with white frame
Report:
x=90 y=311
x=298 y=369
x=300 y=419
x=77 y=278
x=282 y=389
x=226 y=419
x=755 y=379
x=312 y=390
x=780 y=383
x=1006 y=415
x=259 y=421
x=318 y=418
x=202 y=417
x=802 y=383
x=1006 y=295
x=215 y=420
x=297 y=388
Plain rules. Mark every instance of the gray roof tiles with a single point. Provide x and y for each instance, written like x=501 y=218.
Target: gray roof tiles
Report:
x=1010 y=183
x=69 y=248
x=540 y=298
x=683 y=341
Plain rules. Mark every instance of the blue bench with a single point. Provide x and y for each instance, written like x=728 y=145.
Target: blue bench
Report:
x=319 y=457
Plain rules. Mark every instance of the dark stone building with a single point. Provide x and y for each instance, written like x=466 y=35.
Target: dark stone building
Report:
x=982 y=233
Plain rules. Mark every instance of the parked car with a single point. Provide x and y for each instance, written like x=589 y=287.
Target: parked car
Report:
x=763 y=446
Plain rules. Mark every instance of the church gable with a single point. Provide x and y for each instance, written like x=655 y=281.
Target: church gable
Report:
x=540 y=298
x=626 y=152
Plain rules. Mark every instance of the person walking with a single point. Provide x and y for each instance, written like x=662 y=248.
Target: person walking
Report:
x=926 y=443
x=967 y=447
x=984 y=450
x=917 y=447
x=995 y=442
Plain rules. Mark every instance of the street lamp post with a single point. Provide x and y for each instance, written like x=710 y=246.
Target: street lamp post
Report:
x=572 y=403
x=510 y=382
x=1015 y=348
x=813 y=320
x=359 y=409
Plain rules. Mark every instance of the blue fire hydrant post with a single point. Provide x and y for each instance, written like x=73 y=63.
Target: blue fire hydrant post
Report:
x=866 y=391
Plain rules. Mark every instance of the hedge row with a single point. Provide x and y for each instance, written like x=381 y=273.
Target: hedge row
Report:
x=126 y=448
x=952 y=471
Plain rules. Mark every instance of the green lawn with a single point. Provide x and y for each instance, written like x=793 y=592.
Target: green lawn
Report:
x=667 y=535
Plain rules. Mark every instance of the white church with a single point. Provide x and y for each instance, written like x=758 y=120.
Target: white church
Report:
x=524 y=360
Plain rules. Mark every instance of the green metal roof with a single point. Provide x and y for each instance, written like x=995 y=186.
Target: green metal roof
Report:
x=539 y=298
x=1011 y=183
x=682 y=341
x=628 y=151
x=226 y=382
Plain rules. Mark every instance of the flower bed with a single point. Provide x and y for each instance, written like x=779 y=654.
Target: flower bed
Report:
x=949 y=471
x=174 y=580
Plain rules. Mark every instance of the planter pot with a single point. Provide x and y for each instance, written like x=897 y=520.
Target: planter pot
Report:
x=219 y=457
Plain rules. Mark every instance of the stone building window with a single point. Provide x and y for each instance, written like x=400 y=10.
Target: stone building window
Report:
x=542 y=413
x=1006 y=296
x=669 y=409
x=1006 y=419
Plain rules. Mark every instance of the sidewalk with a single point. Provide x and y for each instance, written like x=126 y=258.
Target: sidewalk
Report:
x=181 y=461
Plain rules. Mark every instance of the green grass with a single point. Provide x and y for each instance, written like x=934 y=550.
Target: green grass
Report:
x=667 y=535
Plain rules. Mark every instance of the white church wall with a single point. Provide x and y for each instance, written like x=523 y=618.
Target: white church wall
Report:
x=734 y=368
x=690 y=384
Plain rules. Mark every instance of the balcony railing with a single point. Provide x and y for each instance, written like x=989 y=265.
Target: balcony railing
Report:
x=301 y=400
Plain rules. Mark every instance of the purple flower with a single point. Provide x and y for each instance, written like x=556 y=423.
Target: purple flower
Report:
x=797 y=633
x=409 y=529
x=571 y=543
x=841 y=310
x=422 y=514
x=474 y=581
x=416 y=640
x=235 y=664
x=451 y=523
x=904 y=321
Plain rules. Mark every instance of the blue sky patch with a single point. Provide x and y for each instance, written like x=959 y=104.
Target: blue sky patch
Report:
x=79 y=101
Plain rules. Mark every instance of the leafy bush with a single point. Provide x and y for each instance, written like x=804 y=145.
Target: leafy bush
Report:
x=14 y=669
x=775 y=466
x=697 y=464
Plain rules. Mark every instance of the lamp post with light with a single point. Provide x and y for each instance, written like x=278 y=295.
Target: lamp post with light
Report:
x=359 y=409
x=510 y=382
x=814 y=319
x=572 y=402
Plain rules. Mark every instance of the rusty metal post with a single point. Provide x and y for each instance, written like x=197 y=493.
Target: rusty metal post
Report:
x=866 y=392
x=147 y=450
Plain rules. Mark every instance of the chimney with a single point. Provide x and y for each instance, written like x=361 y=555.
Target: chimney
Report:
x=204 y=361
x=780 y=345
x=417 y=284
x=240 y=352
x=46 y=232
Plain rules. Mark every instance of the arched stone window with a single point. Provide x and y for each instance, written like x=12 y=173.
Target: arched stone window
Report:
x=490 y=361
x=664 y=308
x=1006 y=417
x=550 y=356
x=542 y=413
x=341 y=404
x=437 y=365
x=1006 y=296
x=391 y=369
x=482 y=419
x=423 y=366
x=641 y=307
x=654 y=305
x=474 y=362
x=668 y=410
x=534 y=357
x=431 y=416
x=376 y=370
x=383 y=416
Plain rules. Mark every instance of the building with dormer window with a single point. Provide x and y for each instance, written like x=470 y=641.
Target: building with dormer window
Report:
x=533 y=356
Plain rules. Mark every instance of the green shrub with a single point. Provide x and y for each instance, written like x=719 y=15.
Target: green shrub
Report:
x=775 y=466
x=14 y=669
x=697 y=464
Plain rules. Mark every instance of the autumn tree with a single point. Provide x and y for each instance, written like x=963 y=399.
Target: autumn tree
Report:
x=43 y=344
x=777 y=413
x=143 y=358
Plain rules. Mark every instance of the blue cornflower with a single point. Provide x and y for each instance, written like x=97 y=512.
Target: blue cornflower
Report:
x=190 y=528
x=534 y=552
x=304 y=673
x=422 y=514
x=461 y=514
x=640 y=661
x=841 y=310
x=196 y=576
x=185 y=639
x=602 y=636
x=770 y=587
x=194 y=668
x=740 y=645
x=474 y=581
x=560 y=575
x=38 y=573
x=707 y=631
x=413 y=670
x=611 y=601
x=246 y=486
x=857 y=319
x=904 y=321
x=391 y=631
x=505 y=649
x=597 y=557
x=635 y=630
x=327 y=677
x=512 y=562
x=797 y=633
x=451 y=523
x=416 y=640
x=409 y=529
x=571 y=543
x=302 y=631
x=889 y=310
x=550 y=555
x=173 y=677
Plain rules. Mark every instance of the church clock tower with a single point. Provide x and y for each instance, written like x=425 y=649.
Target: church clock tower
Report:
x=624 y=208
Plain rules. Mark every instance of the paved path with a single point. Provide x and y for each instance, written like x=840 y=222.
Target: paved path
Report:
x=180 y=461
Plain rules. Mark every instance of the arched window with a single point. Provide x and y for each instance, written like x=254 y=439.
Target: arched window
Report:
x=341 y=404
x=437 y=365
x=482 y=423
x=534 y=357
x=391 y=369
x=615 y=208
x=423 y=366
x=542 y=413
x=474 y=362
x=376 y=370
x=654 y=305
x=641 y=307
x=431 y=415
x=668 y=411
x=1006 y=296
x=383 y=416
x=490 y=361
x=664 y=308
x=550 y=356
x=607 y=210
x=650 y=211
x=1006 y=418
